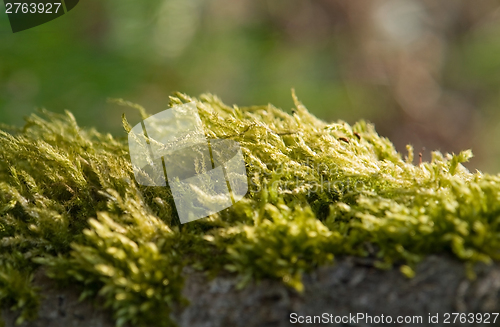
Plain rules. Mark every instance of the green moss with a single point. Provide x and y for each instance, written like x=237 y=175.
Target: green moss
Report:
x=69 y=202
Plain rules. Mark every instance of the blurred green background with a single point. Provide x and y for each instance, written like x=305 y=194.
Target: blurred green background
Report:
x=425 y=72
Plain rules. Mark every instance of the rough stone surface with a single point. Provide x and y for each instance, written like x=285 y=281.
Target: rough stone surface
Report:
x=60 y=308
x=352 y=286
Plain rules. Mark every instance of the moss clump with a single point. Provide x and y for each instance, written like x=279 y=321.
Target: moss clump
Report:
x=69 y=202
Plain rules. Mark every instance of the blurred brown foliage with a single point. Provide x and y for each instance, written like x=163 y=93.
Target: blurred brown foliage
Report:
x=412 y=53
